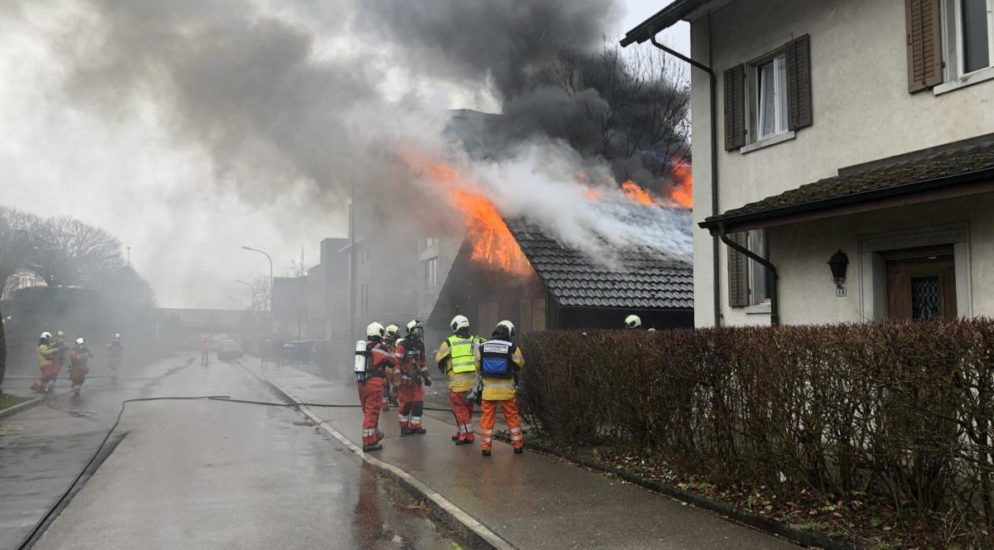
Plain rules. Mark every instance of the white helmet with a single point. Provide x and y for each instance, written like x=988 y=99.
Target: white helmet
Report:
x=46 y=336
x=414 y=325
x=375 y=330
x=633 y=321
x=80 y=341
x=458 y=322
x=392 y=331
x=60 y=334
x=507 y=325
x=117 y=336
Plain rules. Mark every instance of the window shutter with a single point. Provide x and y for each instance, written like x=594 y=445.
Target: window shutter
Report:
x=799 y=104
x=735 y=129
x=738 y=272
x=924 y=24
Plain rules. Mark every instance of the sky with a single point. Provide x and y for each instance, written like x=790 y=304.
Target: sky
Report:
x=183 y=219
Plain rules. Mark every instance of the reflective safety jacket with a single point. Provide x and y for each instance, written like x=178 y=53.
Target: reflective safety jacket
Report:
x=411 y=368
x=457 y=358
x=46 y=354
x=500 y=388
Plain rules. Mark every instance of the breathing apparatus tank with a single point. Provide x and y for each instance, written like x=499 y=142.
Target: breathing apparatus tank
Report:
x=361 y=360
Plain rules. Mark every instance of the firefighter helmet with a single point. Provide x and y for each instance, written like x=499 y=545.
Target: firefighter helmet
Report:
x=46 y=336
x=459 y=322
x=60 y=334
x=415 y=326
x=374 y=330
x=508 y=326
x=80 y=341
x=117 y=336
x=633 y=321
x=392 y=331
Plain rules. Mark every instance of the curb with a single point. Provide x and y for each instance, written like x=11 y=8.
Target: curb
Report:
x=10 y=411
x=474 y=532
x=767 y=525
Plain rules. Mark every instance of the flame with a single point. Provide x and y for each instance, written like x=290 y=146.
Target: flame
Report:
x=682 y=192
x=635 y=193
x=492 y=242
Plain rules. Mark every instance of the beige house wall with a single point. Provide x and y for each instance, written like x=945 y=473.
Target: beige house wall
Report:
x=862 y=112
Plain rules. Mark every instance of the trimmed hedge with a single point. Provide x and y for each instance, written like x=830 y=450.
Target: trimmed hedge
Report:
x=901 y=412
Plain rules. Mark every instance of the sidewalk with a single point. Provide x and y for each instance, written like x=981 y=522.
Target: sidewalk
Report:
x=531 y=501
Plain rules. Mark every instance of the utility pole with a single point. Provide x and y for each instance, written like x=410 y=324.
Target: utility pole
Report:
x=269 y=323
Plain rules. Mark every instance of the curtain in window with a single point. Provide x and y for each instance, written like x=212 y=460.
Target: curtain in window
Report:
x=976 y=36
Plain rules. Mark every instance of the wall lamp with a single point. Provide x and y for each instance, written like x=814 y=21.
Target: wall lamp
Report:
x=839 y=262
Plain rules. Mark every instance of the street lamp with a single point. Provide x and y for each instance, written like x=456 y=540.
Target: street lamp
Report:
x=268 y=257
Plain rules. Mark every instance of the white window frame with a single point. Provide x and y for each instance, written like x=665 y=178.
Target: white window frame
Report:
x=755 y=97
x=429 y=272
x=757 y=272
x=954 y=75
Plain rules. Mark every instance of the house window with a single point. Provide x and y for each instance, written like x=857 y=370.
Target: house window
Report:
x=968 y=26
x=770 y=96
x=758 y=290
x=430 y=271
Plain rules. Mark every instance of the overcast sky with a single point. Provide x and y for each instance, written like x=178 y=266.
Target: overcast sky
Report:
x=129 y=176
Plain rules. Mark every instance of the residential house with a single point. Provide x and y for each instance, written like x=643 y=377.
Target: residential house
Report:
x=854 y=132
x=566 y=289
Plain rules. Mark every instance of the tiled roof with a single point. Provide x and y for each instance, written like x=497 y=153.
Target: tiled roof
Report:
x=640 y=279
x=921 y=171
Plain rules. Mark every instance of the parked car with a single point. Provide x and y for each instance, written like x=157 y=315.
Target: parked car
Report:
x=229 y=350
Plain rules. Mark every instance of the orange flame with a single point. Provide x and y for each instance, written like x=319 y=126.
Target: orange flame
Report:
x=492 y=242
x=635 y=193
x=682 y=192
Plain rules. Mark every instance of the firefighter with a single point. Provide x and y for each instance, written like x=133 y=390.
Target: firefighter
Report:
x=390 y=336
x=371 y=376
x=46 y=364
x=205 y=351
x=59 y=343
x=77 y=365
x=115 y=355
x=410 y=378
x=457 y=358
x=633 y=322
x=500 y=360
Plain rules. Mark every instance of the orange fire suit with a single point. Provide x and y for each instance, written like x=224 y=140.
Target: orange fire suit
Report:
x=457 y=358
x=77 y=367
x=500 y=390
x=46 y=365
x=409 y=377
x=371 y=390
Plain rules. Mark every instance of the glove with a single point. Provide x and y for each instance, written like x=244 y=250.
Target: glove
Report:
x=426 y=379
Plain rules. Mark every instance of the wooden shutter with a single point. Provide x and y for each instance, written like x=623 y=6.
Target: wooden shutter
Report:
x=924 y=36
x=738 y=272
x=735 y=113
x=799 y=104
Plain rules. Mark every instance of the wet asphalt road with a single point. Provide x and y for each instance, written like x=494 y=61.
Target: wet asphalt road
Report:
x=195 y=474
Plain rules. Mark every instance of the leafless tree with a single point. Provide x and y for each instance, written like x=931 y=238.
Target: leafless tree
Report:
x=75 y=253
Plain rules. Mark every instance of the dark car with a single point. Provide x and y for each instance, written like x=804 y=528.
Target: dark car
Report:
x=229 y=350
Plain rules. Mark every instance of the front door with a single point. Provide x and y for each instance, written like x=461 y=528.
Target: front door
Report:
x=921 y=284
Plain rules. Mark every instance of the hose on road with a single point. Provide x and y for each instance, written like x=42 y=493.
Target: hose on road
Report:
x=39 y=528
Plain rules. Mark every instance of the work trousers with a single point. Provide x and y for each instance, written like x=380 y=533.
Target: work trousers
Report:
x=77 y=375
x=48 y=372
x=510 y=408
x=371 y=399
x=462 y=408
x=411 y=397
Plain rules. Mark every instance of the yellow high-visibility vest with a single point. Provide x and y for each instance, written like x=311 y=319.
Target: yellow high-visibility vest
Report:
x=462 y=355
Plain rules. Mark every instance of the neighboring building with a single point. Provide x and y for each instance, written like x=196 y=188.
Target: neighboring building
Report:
x=852 y=126
x=566 y=290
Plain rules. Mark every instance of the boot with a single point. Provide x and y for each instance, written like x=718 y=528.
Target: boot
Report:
x=371 y=448
x=485 y=452
x=455 y=438
x=418 y=431
x=464 y=442
x=519 y=450
x=406 y=431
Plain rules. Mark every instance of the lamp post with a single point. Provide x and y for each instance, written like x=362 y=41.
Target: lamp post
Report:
x=268 y=257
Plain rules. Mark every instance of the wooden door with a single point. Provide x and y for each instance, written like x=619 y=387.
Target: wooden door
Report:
x=921 y=284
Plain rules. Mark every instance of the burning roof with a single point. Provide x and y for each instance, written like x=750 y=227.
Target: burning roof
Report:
x=637 y=277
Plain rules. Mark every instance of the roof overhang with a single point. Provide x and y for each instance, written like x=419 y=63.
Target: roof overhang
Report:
x=961 y=185
x=663 y=19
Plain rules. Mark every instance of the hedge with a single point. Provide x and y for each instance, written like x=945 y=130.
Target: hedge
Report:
x=901 y=412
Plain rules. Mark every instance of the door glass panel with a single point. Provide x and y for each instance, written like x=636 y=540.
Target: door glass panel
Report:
x=976 y=35
x=926 y=297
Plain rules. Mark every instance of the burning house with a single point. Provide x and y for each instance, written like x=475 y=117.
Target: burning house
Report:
x=516 y=271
